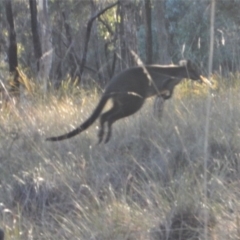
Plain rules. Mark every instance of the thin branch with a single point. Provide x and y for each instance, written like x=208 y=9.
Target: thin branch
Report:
x=88 y=33
x=208 y=112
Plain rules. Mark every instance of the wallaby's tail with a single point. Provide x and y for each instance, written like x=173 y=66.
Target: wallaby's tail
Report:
x=86 y=124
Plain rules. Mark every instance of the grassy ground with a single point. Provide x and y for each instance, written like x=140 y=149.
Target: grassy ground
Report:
x=145 y=184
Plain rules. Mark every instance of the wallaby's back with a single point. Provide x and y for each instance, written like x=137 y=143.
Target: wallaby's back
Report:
x=130 y=80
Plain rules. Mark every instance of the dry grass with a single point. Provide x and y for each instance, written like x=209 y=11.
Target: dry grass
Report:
x=145 y=184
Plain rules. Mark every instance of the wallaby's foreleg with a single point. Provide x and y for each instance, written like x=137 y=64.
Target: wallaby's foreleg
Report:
x=101 y=134
x=158 y=107
x=166 y=94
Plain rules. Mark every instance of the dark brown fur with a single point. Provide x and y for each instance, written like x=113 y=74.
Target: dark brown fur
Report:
x=1 y=234
x=130 y=88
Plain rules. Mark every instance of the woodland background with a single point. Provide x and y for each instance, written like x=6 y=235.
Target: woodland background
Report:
x=175 y=177
x=81 y=41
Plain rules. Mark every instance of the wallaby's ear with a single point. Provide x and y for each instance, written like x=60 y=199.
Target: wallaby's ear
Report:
x=185 y=63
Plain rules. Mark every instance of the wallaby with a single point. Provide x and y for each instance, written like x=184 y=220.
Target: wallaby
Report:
x=130 y=88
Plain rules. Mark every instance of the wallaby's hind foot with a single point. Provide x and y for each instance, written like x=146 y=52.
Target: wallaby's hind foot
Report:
x=109 y=134
x=101 y=134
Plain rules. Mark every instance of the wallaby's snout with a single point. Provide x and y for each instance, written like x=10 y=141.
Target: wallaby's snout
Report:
x=194 y=72
x=205 y=80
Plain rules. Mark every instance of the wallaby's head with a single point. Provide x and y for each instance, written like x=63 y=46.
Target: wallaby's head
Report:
x=193 y=72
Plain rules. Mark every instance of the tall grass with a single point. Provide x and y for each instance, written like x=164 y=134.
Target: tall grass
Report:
x=146 y=183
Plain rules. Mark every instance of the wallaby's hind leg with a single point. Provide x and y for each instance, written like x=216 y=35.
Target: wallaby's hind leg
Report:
x=104 y=118
x=122 y=107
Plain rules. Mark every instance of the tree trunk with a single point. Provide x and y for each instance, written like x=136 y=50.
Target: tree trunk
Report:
x=163 y=39
x=12 y=51
x=46 y=34
x=35 y=32
x=72 y=58
x=96 y=45
x=148 y=13
x=112 y=41
x=123 y=50
x=163 y=53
